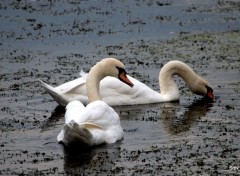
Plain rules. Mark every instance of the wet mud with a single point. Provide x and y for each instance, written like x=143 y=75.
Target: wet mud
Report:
x=54 y=40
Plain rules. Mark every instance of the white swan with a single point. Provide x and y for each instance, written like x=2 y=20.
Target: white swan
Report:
x=114 y=92
x=97 y=123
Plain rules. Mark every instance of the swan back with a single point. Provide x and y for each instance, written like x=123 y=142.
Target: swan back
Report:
x=74 y=110
x=95 y=124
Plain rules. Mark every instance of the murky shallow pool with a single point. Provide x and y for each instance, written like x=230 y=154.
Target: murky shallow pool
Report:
x=188 y=137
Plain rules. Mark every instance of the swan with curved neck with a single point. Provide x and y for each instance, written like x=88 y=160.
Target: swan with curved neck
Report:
x=97 y=123
x=194 y=82
x=102 y=70
x=114 y=92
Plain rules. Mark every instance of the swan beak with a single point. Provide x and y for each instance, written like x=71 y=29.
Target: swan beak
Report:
x=123 y=77
x=210 y=94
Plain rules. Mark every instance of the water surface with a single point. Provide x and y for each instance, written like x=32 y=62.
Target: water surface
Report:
x=53 y=41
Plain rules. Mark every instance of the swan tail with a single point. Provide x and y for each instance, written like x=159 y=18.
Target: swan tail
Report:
x=83 y=74
x=56 y=95
x=74 y=133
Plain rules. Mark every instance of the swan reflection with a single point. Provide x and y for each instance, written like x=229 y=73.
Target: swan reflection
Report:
x=176 y=118
x=102 y=157
x=57 y=114
x=143 y=125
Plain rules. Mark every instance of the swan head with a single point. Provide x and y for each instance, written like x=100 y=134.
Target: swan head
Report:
x=194 y=82
x=115 y=68
x=203 y=88
x=106 y=67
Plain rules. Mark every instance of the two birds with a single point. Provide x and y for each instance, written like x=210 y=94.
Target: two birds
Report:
x=98 y=123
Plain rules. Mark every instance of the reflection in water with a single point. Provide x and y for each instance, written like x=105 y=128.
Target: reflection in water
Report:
x=77 y=156
x=100 y=158
x=178 y=119
x=174 y=117
x=57 y=114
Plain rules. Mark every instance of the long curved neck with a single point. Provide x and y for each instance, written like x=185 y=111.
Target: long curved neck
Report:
x=168 y=85
x=92 y=85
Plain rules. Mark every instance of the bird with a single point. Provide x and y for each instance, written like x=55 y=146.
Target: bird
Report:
x=115 y=93
x=97 y=123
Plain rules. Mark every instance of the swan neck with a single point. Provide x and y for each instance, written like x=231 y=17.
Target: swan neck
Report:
x=168 y=85
x=93 y=81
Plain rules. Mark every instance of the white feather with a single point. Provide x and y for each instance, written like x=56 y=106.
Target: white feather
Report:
x=114 y=92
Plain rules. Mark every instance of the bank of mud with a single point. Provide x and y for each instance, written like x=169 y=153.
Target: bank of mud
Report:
x=53 y=41
x=185 y=137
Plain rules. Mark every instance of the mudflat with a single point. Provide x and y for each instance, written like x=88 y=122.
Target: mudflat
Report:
x=54 y=41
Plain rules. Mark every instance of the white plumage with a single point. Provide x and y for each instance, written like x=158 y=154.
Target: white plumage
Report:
x=114 y=92
x=97 y=123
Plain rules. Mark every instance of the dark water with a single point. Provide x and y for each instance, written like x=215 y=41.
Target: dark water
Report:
x=54 y=40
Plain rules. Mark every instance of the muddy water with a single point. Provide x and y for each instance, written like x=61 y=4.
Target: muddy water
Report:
x=53 y=41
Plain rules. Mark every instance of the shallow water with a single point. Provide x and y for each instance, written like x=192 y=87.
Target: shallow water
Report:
x=53 y=41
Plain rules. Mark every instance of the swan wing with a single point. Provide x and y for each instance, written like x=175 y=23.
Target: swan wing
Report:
x=73 y=86
x=75 y=111
x=69 y=91
x=115 y=92
x=99 y=113
x=57 y=95
x=90 y=125
x=107 y=119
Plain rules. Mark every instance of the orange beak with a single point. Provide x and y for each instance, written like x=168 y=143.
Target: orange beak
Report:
x=123 y=77
x=210 y=94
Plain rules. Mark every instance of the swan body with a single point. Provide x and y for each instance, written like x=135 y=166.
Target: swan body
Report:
x=114 y=92
x=97 y=123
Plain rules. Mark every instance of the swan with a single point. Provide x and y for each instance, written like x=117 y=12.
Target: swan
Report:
x=97 y=123
x=114 y=92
